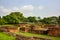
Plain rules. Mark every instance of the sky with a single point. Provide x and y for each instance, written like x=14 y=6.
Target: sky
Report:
x=42 y=8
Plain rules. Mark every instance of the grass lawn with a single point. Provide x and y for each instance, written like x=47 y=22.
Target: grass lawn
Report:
x=38 y=35
x=4 y=36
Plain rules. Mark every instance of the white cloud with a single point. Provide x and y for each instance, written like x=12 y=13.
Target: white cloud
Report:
x=3 y=11
x=15 y=9
x=41 y=7
x=27 y=8
x=6 y=11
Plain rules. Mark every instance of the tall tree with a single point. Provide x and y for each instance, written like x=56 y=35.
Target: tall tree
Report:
x=13 y=17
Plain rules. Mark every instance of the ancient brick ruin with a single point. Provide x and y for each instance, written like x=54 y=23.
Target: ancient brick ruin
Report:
x=54 y=31
x=37 y=30
x=51 y=30
x=24 y=29
x=8 y=29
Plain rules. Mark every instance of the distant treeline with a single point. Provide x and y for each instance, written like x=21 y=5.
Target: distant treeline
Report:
x=17 y=17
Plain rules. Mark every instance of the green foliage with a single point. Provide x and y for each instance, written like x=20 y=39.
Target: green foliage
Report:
x=50 y=20
x=58 y=20
x=32 y=19
x=2 y=21
x=17 y=17
x=13 y=18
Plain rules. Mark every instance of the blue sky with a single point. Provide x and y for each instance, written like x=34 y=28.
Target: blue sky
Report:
x=42 y=8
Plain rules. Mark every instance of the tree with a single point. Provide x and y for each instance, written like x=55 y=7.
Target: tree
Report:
x=38 y=19
x=25 y=20
x=13 y=17
x=50 y=20
x=59 y=20
x=2 y=21
x=32 y=19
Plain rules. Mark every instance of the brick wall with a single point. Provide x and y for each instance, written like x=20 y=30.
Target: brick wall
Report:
x=54 y=32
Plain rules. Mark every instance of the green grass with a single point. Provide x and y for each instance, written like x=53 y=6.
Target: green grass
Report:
x=38 y=35
x=4 y=36
x=7 y=25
